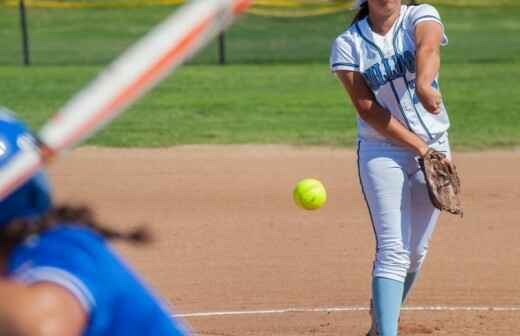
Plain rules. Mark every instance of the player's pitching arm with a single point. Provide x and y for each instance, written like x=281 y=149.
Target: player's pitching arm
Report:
x=375 y=115
x=428 y=36
x=43 y=309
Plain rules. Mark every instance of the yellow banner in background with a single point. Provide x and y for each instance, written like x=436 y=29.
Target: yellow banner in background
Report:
x=299 y=12
x=298 y=8
x=92 y=4
x=276 y=8
x=273 y=8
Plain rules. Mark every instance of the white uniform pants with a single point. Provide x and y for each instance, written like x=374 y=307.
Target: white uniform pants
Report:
x=402 y=214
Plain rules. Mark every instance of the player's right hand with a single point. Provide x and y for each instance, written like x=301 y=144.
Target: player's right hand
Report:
x=430 y=98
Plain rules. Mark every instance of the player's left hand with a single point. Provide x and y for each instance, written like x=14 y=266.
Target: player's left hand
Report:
x=442 y=181
x=430 y=98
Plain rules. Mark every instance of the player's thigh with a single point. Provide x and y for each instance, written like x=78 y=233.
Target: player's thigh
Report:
x=384 y=185
x=423 y=215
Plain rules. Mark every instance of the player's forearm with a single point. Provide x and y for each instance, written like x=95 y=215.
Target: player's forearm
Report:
x=428 y=64
x=388 y=126
x=375 y=115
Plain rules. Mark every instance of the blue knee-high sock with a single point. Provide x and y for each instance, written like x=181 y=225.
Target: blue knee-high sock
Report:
x=387 y=296
x=408 y=283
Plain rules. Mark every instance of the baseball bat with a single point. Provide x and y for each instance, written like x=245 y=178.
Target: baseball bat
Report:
x=122 y=82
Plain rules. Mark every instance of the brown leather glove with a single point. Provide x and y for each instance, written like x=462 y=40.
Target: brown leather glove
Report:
x=443 y=182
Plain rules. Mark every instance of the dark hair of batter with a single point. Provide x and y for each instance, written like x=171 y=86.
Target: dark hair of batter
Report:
x=19 y=230
x=363 y=11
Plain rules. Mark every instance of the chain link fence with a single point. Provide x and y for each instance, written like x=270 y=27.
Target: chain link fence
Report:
x=93 y=32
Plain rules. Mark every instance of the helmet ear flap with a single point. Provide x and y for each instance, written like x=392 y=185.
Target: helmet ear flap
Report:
x=33 y=198
x=40 y=197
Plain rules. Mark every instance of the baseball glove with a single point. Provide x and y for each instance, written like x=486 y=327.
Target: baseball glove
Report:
x=443 y=182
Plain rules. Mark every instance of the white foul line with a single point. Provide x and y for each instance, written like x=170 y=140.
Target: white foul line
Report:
x=349 y=309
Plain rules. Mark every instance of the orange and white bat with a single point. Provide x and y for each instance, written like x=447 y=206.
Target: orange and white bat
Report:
x=129 y=77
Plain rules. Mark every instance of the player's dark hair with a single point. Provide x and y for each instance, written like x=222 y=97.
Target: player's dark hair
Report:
x=363 y=11
x=19 y=230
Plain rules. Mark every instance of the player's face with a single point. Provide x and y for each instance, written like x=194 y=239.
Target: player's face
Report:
x=384 y=7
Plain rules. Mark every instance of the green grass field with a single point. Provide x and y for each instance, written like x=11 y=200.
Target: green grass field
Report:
x=277 y=89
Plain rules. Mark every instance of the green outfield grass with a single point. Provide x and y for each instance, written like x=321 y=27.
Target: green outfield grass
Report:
x=275 y=90
x=294 y=104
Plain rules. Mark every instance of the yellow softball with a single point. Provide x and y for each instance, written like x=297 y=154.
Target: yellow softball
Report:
x=309 y=194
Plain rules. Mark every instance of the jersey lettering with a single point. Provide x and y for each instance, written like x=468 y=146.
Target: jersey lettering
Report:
x=390 y=69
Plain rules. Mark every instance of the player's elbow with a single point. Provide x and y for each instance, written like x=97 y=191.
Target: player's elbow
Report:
x=372 y=115
x=365 y=111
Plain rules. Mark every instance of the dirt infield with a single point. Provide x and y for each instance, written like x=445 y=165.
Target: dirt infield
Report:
x=229 y=238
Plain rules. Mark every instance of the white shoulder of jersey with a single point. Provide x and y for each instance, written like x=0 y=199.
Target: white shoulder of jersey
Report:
x=422 y=13
x=345 y=48
x=343 y=54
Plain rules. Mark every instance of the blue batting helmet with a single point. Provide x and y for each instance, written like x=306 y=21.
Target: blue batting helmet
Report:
x=33 y=198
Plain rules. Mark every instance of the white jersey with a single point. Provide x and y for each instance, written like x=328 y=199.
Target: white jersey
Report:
x=388 y=65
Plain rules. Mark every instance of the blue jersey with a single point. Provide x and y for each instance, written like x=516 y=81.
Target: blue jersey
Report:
x=79 y=260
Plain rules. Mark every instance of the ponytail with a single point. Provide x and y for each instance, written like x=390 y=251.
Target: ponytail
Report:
x=19 y=230
x=361 y=14
x=363 y=11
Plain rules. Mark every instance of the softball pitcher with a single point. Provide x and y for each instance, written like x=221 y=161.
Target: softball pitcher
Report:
x=388 y=61
x=59 y=277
